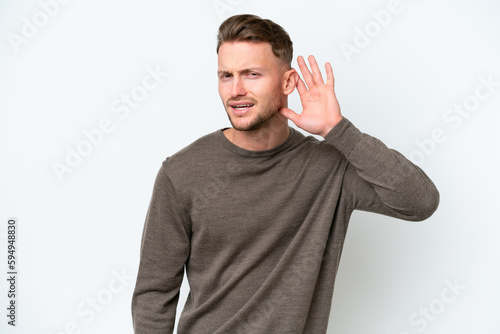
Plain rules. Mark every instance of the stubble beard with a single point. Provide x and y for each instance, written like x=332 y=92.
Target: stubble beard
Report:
x=269 y=110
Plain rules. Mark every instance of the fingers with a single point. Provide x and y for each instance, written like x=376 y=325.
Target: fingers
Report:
x=330 y=80
x=301 y=87
x=315 y=77
x=305 y=71
x=315 y=69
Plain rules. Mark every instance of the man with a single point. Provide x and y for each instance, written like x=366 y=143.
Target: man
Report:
x=257 y=213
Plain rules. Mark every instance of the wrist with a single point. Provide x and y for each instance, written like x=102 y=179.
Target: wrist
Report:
x=330 y=126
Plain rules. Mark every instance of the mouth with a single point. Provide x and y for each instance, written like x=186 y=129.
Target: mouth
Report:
x=241 y=108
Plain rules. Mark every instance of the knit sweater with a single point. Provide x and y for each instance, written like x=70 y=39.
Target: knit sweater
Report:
x=260 y=233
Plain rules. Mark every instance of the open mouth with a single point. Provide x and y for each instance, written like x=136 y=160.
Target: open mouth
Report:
x=241 y=108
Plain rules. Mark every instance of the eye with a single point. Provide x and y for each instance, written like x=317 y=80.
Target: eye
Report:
x=224 y=76
x=253 y=74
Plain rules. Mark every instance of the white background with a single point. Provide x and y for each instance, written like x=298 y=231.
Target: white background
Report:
x=80 y=230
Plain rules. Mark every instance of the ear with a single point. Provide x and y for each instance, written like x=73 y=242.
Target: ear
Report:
x=290 y=80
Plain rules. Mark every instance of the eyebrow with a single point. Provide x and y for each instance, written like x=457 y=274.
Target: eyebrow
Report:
x=243 y=71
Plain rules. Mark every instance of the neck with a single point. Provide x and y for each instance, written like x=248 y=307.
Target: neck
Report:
x=270 y=135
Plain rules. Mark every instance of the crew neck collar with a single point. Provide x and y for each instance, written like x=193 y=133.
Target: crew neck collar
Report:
x=255 y=154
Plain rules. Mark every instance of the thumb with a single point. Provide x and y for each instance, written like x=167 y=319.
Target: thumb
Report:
x=290 y=114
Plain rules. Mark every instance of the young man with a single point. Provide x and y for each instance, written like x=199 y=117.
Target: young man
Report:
x=257 y=213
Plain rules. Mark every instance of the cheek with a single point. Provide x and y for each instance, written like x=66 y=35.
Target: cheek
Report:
x=223 y=91
x=269 y=91
x=259 y=89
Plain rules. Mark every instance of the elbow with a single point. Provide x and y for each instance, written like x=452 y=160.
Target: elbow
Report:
x=419 y=205
x=428 y=204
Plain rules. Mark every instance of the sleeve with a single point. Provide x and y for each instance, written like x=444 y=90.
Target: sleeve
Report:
x=382 y=180
x=165 y=249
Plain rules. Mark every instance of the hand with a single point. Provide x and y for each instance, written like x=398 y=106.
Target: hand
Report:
x=321 y=110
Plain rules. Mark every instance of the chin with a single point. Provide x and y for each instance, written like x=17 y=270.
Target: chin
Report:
x=248 y=123
x=245 y=126
x=254 y=121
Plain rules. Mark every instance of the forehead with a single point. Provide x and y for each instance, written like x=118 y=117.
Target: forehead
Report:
x=240 y=55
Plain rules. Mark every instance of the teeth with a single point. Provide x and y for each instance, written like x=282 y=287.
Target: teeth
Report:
x=243 y=106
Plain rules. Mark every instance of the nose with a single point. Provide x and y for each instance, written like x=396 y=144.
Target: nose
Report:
x=238 y=88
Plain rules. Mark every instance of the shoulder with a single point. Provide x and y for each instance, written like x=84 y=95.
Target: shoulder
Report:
x=192 y=154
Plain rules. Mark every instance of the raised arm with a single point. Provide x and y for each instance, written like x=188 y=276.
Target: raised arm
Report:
x=377 y=179
x=382 y=180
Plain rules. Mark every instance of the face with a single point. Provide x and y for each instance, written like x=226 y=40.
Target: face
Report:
x=250 y=83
